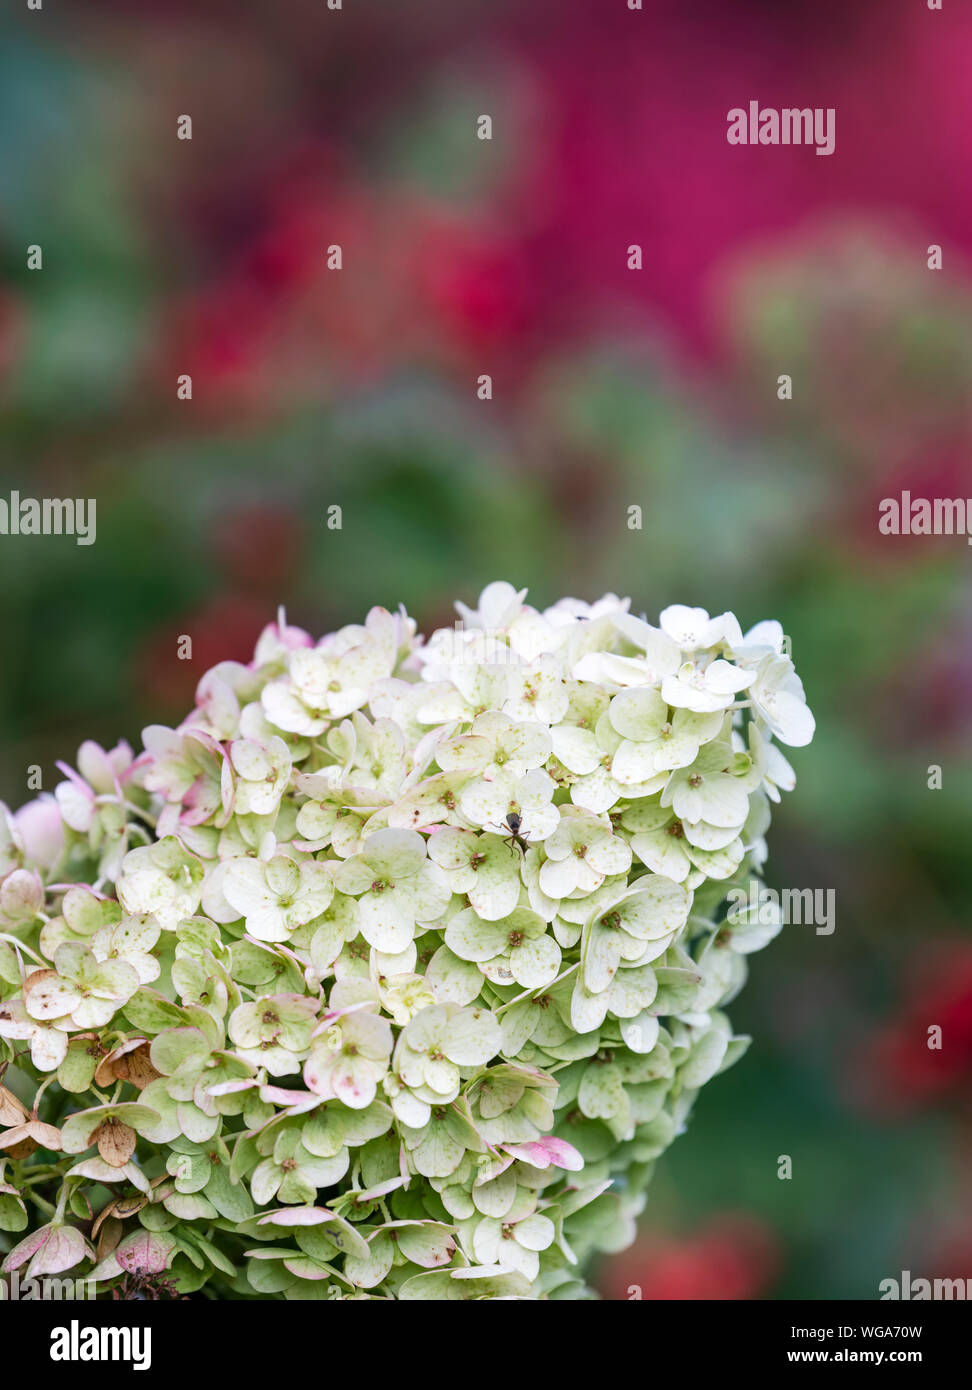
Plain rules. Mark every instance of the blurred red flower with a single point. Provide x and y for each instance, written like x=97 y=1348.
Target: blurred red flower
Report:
x=899 y=1070
x=733 y=1257
x=223 y=629
x=259 y=548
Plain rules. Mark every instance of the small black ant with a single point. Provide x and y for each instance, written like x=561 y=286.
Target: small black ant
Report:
x=513 y=821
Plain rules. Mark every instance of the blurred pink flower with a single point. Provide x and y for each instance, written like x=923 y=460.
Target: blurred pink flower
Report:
x=42 y=830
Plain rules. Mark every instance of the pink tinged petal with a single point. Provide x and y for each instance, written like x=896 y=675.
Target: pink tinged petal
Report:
x=297 y=1216
x=64 y=1247
x=371 y=1035
x=430 y=1246
x=146 y=1252
x=77 y=805
x=23 y=1251
x=541 y=1153
x=353 y=1082
x=317 y=1075
x=296 y=1101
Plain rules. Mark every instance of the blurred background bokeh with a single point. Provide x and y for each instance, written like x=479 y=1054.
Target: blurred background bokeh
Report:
x=611 y=387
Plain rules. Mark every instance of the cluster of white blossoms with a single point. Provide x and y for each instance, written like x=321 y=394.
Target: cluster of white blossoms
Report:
x=391 y=971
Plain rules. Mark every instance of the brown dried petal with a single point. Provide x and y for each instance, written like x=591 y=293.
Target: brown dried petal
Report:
x=116 y=1142
x=22 y=1150
x=34 y=1133
x=47 y=1136
x=137 y=1068
x=119 y=1209
x=12 y=1138
x=108 y=1230
x=12 y=1110
x=37 y=976
x=130 y=1062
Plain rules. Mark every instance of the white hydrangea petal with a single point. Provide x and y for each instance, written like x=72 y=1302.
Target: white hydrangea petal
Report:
x=485 y=802
x=472 y=939
x=535 y=962
x=680 y=694
x=686 y=626
x=718 y=864
x=718 y=799
x=472 y=1037
x=601 y=958
x=706 y=836
x=587 y=1011
x=634 y=763
x=488 y=1241
x=609 y=854
x=536 y=1232
x=576 y=748
x=638 y=713
x=558 y=877
x=597 y=792
x=792 y=721
x=284 y=709
x=725 y=679
x=662 y=853
x=383 y=923
x=495 y=890
x=245 y=887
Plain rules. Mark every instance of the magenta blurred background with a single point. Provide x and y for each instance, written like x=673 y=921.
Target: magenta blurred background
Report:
x=611 y=387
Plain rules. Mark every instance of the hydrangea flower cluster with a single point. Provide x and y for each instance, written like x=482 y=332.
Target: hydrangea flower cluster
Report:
x=392 y=970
